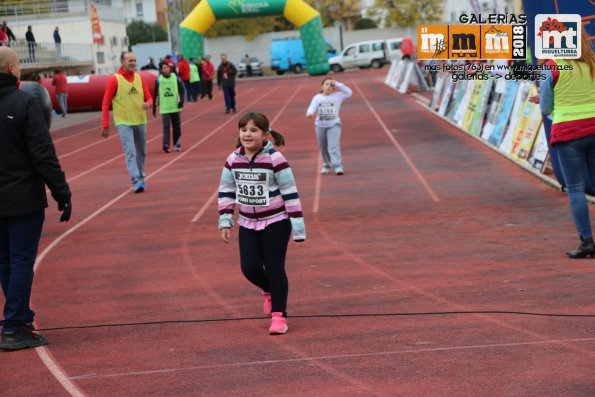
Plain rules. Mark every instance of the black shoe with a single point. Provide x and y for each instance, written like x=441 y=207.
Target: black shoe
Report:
x=166 y=148
x=586 y=248
x=22 y=339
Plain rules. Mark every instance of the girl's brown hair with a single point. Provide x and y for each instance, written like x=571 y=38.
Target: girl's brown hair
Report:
x=261 y=121
x=324 y=81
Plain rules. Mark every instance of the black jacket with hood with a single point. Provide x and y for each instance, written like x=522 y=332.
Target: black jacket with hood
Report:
x=28 y=158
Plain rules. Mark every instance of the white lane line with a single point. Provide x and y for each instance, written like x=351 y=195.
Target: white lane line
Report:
x=317 y=187
x=422 y=98
x=417 y=173
x=94 y=119
x=58 y=373
x=112 y=134
x=206 y=205
x=159 y=135
x=73 y=135
x=333 y=357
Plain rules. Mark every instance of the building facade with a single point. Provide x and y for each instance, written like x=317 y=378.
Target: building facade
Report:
x=103 y=33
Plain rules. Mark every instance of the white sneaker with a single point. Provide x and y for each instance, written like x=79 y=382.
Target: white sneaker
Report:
x=325 y=169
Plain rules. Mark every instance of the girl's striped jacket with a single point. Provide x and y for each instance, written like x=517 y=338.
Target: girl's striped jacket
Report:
x=283 y=199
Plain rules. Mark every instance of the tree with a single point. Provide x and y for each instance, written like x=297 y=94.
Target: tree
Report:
x=248 y=27
x=364 y=23
x=331 y=11
x=142 y=32
x=408 y=12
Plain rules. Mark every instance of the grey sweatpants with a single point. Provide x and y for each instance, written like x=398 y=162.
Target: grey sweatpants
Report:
x=330 y=146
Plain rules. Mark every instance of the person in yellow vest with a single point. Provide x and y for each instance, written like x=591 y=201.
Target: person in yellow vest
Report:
x=569 y=94
x=169 y=95
x=130 y=98
x=194 y=80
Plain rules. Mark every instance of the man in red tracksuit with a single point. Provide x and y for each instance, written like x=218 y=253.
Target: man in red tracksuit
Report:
x=61 y=84
x=184 y=75
x=208 y=74
x=130 y=98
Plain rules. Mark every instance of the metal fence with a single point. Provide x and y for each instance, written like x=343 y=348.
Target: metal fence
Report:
x=52 y=53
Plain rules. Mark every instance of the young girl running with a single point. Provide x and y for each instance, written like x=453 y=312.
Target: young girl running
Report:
x=259 y=179
x=328 y=124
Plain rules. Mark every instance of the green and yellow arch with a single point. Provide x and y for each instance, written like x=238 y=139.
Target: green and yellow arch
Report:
x=298 y=12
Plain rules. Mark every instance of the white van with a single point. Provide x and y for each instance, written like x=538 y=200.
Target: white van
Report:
x=366 y=54
x=393 y=48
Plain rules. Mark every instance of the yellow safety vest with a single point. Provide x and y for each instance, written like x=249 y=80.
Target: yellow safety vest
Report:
x=128 y=100
x=574 y=93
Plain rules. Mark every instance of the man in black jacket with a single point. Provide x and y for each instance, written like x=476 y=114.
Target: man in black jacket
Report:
x=28 y=162
x=31 y=43
x=226 y=80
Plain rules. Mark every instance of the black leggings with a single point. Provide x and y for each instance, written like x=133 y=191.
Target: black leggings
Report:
x=262 y=257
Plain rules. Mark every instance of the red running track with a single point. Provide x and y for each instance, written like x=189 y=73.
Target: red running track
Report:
x=427 y=225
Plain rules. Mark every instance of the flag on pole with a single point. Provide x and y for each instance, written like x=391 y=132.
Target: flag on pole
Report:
x=95 y=27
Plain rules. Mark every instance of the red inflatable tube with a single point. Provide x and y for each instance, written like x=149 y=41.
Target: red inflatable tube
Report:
x=85 y=93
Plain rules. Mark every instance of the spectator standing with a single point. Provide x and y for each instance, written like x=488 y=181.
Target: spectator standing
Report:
x=9 y=32
x=569 y=94
x=208 y=73
x=184 y=74
x=407 y=49
x=248 y=63
x=171 y=63
x=226 y=81
x=169 y=96
x=3 y=37
x=58 y=42
x=194 y=81
x=130 y=98
x=31 y=44
x=150 y=66
x=28 y=162
x=61 y=84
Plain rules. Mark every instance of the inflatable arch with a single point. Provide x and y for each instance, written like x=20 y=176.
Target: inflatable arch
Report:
x=298 y=12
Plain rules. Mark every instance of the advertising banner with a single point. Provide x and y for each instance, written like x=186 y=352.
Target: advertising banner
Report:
x=457 y=97
x=438 y=91
x=464 y=102
x=499 y=113
x=391 y=72
x=446 y=95
x=477 y=107
x=522 y=115
x=539 y=153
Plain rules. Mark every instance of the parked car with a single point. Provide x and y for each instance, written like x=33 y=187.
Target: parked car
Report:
x=288 y=54
x=255 y=67
x=368 y=54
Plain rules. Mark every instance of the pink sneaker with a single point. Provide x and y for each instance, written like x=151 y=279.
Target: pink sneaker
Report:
x=267 y=306
x=278 y=324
